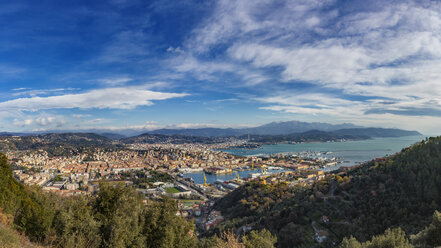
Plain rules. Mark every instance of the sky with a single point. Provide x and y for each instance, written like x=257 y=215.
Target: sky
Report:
x=143 y=65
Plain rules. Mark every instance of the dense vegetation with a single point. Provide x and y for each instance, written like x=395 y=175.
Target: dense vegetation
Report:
x=115 y=217
x=401 y=191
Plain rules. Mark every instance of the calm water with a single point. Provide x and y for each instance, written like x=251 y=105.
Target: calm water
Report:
x=352 y=152
x=198 y=177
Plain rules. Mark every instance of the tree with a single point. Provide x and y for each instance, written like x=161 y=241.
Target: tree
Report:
x=350 y=243
x=431 y=235
x=260 y=239
x=163 y=228
x=119 y=211
x=75 y=224
x=226 y=240
x=392 y=238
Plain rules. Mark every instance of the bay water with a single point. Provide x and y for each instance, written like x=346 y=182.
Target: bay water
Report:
x=351 y=152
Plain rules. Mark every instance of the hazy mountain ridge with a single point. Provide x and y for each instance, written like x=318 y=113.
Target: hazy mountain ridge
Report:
x=149 y=138
x=204 y=136
x=377 y=132
x=307 y=136
x=273 y=128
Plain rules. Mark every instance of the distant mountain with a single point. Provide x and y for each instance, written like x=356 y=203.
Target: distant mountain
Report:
x=308 y=136
x=204 y=132
x=273 y=128
x=12 y=134
x=149 y=138
x=113 y=136
x=322 y=136
x=377 y=132
x=289 y=128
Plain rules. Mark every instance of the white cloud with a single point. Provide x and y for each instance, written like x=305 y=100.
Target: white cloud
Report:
x=175 y=49
x=257 y=20
x=11 y=71
x=388 y=54
x=44 y=121
x=81 y=116
x=110 y=98
x=115 y=81
x=30 y=92
x=210 y=70
x=337 y=110
x=126 y=46
x=22 y=123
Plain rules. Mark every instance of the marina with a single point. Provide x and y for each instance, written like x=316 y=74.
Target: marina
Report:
x=198 y=177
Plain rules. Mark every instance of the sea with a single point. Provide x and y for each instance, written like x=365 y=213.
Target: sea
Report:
x=349 y=152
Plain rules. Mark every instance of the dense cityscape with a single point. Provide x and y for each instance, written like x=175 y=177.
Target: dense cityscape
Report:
x=157 y=170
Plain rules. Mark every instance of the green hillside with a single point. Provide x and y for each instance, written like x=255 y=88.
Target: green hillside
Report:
x=401 y=191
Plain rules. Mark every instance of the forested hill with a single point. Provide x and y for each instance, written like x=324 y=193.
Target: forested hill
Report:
x=401 y=191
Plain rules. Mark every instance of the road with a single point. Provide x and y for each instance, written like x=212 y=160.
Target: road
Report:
x=192 y=187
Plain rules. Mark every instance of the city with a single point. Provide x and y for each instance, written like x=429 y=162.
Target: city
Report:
x=220 y=124
x=157 y=170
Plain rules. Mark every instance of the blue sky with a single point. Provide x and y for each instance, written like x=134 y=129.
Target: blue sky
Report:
x=79 y=65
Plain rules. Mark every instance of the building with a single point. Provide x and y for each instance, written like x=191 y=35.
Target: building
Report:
x=320 y=236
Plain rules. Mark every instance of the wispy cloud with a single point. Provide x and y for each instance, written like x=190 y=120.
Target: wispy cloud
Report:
x=31 y=92
x=115 y=81
x=109 y=98
x=387 y=52
x=127 y=46
x=11 y=71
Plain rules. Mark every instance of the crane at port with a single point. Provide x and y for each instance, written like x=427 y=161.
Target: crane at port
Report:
x=264 y=169
x=237 y=176
x=205 y=180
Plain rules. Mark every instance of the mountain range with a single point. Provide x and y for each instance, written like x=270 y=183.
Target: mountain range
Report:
x=271 y=129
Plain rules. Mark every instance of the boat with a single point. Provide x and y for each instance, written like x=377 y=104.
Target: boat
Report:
x=217 y=171
x=254 y=175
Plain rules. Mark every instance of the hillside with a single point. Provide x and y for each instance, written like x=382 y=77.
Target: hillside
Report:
x=290 y=128
x=309 y=136
x=56 y=143
x=205 y=136
x=376 y=132
x=273 y=128
x=149 y=138
x=401 y=191
x=10 y=238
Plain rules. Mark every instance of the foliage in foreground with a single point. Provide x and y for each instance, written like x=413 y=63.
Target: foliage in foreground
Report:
x=429 y=237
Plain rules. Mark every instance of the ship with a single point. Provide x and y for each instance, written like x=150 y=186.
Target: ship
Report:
x=217 y=170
